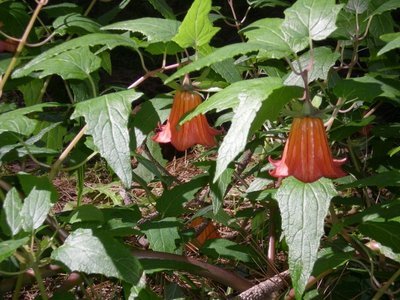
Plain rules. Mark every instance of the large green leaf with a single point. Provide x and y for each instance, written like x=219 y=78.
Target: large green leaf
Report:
x=71 y=64
x=163 y=235
x=12 y=209
x=7 y=248
x=303 y=209
x=154 y=29
x=268 y=32
x=367 y=88
x=196 y=29
x=323 y=60
x=98 y=253
x=217 y=56
x=75 y=23
x=17 y=122
x=310 y=19
x=357 y=6
x=107 y=120
x=108 y=40
x=35 y=209
x=386 y=6
x=235 y=140
x=392 y=40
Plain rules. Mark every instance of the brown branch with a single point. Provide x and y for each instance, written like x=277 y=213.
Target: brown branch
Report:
x=265 y=289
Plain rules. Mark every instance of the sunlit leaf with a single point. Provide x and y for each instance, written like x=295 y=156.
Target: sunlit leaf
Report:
x=75 y=23
x=303 y=207
x=154 y=29
x=310 y=19
x=7 y=248
x=109 y=41
x=216 y=56
x=323 y=59
x=357 y=6
x=35 y=208
x=392 y=40
x=196 y=28
x=386 y=6
x=98 y=253
x=107 y=120
x=12 y=209
x=163 y=235
x=163 y=8
x=71 y=64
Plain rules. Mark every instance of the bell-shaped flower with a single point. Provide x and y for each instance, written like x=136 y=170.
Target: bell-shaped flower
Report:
x=307 y=155
x=195 y=131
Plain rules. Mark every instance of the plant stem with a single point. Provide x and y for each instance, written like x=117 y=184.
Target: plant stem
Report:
x=384 y=288
x=63 y=156
x=21 y=44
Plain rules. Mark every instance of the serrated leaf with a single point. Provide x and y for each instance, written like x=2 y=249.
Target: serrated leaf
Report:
x=12 y=209
x=107 y=120
x=16 y=121
x=75 y=23
x=108 y=40
x=71 y=64
x=7 y=248
x=310 y=19
x=392 y=40
x=163 y=235
x=268 y=33
x=163 y=8
x=235 y=140
x=154 y=29
x=196 y=29
x=367 y=88
x=258 y=88
x=303 y=207
x=98 y=253
x=386 y=6
x=358 y=6
x=217 y=56
x=323 y=60
x=35 y=208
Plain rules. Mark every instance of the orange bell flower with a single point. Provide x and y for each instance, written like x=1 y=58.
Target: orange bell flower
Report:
x=195 y=131
x=8 y=45
x=307 y=155
x=209 y=232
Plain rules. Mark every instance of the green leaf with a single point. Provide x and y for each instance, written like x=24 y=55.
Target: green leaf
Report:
x=217 y=248
x=170 y=204
x=235 y=140
x=12 y=209
x=268 y=33
x=357 y=6
x=71 y=64
x=109 y=41
x=85 y=213
x=29 y=182
x=163 y=235
x=17 y=122
x=386 y=6
x=107 y=120
x=259 y=88
x=35 y=209
x=367 y=88
x=310 y=19
x=392 y=40
x=384 y=179
x=217 y=56
x=163 y=8
x=154 y=29
x=7 y=248
x=75 y=23
x=196 y=29
x=385 y=232
x=31 y=91
x=331 y=258
x=324 y=59
x=219 y=187
x=98 y=253
x=303 y=207
x=14 y=17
